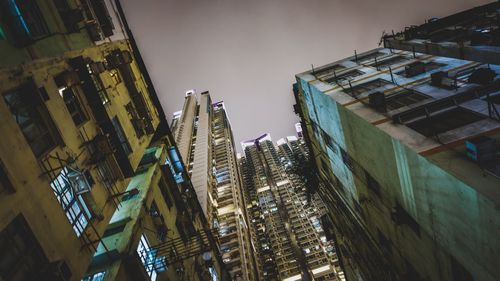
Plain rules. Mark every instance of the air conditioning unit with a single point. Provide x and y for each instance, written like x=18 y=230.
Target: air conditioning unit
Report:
x=78 y=181
x=93 y=30
x=440 y=79
x=118 y=57
x=482 y=150
x=97 y=67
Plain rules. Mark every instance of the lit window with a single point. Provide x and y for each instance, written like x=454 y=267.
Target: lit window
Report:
x=152 y=263
x=66 y=189
x=99 y=276
x=24 y=20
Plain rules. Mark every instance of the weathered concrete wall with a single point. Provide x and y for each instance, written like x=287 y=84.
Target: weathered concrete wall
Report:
x=454 y=218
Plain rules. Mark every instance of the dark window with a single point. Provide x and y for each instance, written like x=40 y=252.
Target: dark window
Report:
x=344 y=76
x=74 y=105
x=328 y=72
x=369 y=57
x=329 y=141
x=372 y=183
x=153 y=210
x=137 y=122
x=96 y=80
x=22 y=257
x=70 y=17
x=401 y=217
x=5 y=182
x=165 y=192
x=390 y=61
x=418 y=68
x=445 y=121
x=404 y=98
x=97 y=11
x=347 y=159
x=24 y=20
x=33 y=118
x=366 y=87
x=121 y=136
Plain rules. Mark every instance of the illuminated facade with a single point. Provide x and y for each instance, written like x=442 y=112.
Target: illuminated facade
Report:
x=405 y=140
x=77 y=178
x=203 y=133
x=286 y=229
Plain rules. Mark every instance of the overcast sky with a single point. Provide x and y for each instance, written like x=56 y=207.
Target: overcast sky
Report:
x=246 y=52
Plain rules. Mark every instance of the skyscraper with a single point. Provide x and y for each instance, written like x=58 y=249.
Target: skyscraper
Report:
x=286 y=229
x=405 y=139
x=203 y=133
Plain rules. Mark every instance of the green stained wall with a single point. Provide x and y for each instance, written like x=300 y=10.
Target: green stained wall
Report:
x=453 y=218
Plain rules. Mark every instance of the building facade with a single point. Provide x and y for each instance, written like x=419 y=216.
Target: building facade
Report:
x=406 y=144
x=205 y=138
x=287 y=234
x=159 y=232
x=78 y=113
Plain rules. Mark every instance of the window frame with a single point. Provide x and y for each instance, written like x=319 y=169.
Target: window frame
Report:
x=74 y=206
x=37 y=112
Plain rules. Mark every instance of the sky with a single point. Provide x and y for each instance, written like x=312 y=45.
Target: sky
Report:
x=247 y=52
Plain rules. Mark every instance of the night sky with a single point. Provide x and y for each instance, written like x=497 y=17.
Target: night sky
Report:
x=246 y=52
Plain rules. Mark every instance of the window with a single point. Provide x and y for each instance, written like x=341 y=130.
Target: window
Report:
x=153 y=263
x=138 y=123
x=70 y=17
x=390 y=61
x=22 y=257
x=367 y=86
x=328 y=72
x=418 y=68
x=372 y=183
x=347 y=159
x=401 y=217
x=5 y=182
x=72 y=203
x=115 y=76
x=368 y=57
x=96 y=80
x=24 y=20
x=445 y=121
x=349 y=75
x=162 y=185
x=329 y=141
x=74 y=105
x=153 y=210
x=99 y=276
x=33 y=118
x=121 y=136
x=404 y=98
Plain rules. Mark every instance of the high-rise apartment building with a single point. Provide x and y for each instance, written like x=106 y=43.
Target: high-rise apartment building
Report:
x=203 y=133
x=405 y=139
x=82 y=189
x=286 y=227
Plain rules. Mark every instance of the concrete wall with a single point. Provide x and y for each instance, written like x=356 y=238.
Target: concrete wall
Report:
x=455 y=220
